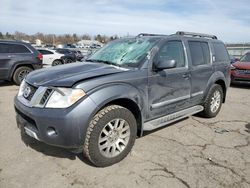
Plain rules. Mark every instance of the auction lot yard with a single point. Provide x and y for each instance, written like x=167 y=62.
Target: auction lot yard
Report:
x=195 y=152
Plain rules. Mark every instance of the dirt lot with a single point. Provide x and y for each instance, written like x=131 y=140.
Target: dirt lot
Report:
x=194 y=152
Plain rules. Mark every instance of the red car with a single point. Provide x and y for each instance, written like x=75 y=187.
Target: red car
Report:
x=240 y=70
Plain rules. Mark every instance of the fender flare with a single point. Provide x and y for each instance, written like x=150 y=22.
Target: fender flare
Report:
x=216 y=76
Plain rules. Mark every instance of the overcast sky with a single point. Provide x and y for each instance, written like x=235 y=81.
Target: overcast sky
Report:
x=228 y=19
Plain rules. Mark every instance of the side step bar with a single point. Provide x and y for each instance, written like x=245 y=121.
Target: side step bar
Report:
x=162 y=121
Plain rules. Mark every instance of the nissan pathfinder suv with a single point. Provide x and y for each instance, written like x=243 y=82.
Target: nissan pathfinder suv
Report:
x=129 y=86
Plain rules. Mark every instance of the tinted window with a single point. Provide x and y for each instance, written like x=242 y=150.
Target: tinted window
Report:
x=18 y=48
x=172 y=50
x=63 y=51
x=220 y=52
x=199 y=53
x=4 y=48
x=206 y=52
x=45 y=52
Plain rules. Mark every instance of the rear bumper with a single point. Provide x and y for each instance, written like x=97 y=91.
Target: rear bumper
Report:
x=69 y=124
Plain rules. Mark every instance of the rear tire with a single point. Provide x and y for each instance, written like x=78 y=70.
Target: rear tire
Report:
x=57 y=62
x=20 y=73
x=67 y=61
x=213 y=102
x=110 y=136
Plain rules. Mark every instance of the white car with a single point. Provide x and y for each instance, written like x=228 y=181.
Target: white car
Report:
x=51 y=57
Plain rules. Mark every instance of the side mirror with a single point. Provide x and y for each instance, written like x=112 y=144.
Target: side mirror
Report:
x=166 y=64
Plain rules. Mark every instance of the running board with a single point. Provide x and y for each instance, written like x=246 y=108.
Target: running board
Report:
x=162 y=121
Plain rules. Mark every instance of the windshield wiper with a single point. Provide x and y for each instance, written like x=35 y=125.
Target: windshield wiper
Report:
x=103 y=61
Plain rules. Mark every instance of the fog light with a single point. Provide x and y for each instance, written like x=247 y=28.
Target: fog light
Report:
x=51 y=131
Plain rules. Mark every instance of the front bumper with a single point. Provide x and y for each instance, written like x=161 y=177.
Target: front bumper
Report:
x=239 y=78
x=70 y=124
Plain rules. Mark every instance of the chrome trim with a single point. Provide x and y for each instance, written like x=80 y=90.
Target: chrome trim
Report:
x=162 y=121
x=30 y=133
x=35 y=99
x=160 y=104
x=197 y=93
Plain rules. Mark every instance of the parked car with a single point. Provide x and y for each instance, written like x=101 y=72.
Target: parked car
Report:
x=240 y=70
x=17 y=59
x=51 y=57
x=69 y=56
x=129 y=86
x=234 y=59
x=79 y=55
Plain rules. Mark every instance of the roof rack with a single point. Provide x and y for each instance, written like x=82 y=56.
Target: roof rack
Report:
x=196 y=34
x=149 y=34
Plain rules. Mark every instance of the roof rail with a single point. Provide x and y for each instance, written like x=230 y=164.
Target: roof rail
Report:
x=195 y=34
x=149 y=34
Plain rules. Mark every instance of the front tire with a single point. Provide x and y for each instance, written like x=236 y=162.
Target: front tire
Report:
x=20 y=73
x=110 y=136
x=213 y=102
x=68 y=60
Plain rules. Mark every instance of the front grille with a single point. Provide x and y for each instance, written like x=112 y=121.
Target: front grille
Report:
x=29 y=91
x=243 y=71
x=45 y=96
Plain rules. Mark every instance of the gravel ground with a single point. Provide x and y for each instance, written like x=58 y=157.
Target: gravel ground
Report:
x=195 y=152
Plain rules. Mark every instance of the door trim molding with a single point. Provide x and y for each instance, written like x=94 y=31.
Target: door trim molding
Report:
x=163 y=103
x=197 y=93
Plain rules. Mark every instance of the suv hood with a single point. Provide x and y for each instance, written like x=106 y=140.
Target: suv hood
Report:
x=68 y=75
x=242 y=65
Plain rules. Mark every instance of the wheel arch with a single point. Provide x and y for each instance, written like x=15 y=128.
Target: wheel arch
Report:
x=16 y=66
x=124 y=95
x=131 y=106
x=217 y=78
x=223 y=86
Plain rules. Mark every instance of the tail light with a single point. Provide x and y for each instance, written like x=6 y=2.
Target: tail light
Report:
x=40 y=56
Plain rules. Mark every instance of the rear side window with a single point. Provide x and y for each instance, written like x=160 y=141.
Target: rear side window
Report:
x=18 y=48
x=200 y=53
x=4 y=48
x=13 y=48
x=220 y=52
x=45 y=52
x=172 y=50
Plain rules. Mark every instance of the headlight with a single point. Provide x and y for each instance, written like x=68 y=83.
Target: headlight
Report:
x=232 y=67
x=21 y=88
x=64 y=97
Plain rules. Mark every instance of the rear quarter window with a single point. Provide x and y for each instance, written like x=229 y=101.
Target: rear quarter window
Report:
x=220 y=51
x=200 y=53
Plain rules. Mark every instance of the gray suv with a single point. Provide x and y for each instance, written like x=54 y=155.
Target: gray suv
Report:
x=17 y=59
x=129 y=86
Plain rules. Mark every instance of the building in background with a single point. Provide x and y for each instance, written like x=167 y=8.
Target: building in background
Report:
x=238 y=49
x=38 y=42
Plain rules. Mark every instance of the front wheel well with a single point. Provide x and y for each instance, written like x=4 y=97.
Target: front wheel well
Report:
x=133 y=107
x=223 y=86
x=16 y=67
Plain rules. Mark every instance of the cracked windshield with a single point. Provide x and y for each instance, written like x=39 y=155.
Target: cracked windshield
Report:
x=126 y=52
